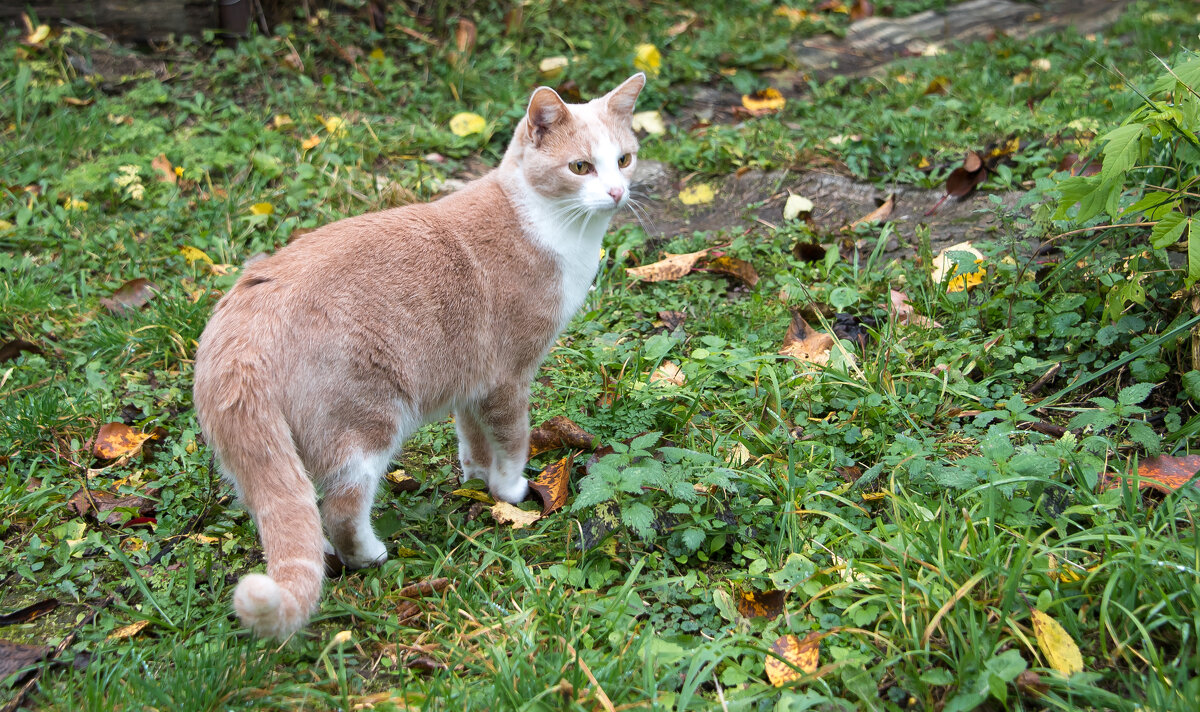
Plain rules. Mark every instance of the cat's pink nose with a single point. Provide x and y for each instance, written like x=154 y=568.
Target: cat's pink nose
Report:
x=616 y=194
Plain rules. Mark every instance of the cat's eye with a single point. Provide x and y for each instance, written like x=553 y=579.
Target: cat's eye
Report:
x=624 y=160
x=580 y=168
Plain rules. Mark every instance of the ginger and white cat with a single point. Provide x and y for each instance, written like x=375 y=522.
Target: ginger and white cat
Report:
x=322 y=359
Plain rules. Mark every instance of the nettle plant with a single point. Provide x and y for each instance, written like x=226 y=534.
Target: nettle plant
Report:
x=670 y=496
x=1149 y=175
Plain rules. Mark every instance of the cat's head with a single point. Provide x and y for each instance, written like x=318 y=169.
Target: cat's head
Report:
x=579 y=155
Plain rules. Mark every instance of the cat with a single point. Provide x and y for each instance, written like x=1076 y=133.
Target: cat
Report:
x=323 y=358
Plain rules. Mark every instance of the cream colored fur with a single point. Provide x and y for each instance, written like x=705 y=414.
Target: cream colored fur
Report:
x=322 y=359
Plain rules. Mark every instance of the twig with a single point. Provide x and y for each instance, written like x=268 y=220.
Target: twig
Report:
x=605 y=702
x=1146 y=223
x=1045 y=378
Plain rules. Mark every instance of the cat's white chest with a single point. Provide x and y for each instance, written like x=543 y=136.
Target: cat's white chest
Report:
x=576 y=247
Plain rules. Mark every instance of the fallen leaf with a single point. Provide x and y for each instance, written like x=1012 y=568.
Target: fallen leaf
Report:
x=192 y=254
x=162 y=166
x=1056 y=644
x=129 y=296
x=733 y=267
x=764 y=102
x=672 y=320
x=128 y=631
x=466 y=123
x=465 y=34
x=647 y=58
x=552 y=67
x=15 y=657
x=104 y=505
x=861 y=9
x=118 y=440
x=1165 y=473
x=671 y=268
x=505 y=513
x=937 y=85
x=878 y=214
x=551 y=485
x=761 y=604
x=477 y=495
x=803 y=654
x=796 y=206
x=34 y=37
x=1076 y=166
x=401 y=482
x=311 y=142
x=262 y=209
x=12 y=349
x=793 y=15
x=698 y=194
x=424 y=588
x=559 y=431
x=280 y=121
x=944 y=267
x=28 y=613
x=649 y=121
x=335 y=125
x=668 y=373
x=805 y=344
x=905 y=314
x=738 y=455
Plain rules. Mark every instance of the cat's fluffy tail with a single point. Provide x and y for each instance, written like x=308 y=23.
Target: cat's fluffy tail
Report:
x=256 y=448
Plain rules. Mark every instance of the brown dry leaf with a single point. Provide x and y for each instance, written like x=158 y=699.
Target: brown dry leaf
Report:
x=1077 y=166
x=861 y=9
x=672 y=320
x=763 y=102
x=1165 y=473
x=14 y=348
x=106 y=504
x=128 y=631
x=672 y=267
x=972 y=162
x=162 y=166
x=803 y=654
x=129 y=296
x=28 y=613
x=668 y=373
x=551 y=485
x=805 y=344
x=733 y=267
x=905 y=314
x=118 y=440
x=760 y=604
x=505 y=513
x=878 y=214
x=14 y=656
x=937 y=85
x=401 y=482
x=1056 y=643
x=559 y=431
x=464 y=36
x=682 y=26
x=423 y=588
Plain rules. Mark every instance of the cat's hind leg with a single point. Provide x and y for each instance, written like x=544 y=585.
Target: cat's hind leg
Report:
x=346 y=510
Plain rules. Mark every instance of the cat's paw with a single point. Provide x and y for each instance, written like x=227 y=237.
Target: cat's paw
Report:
x=512 y=491
x=473 y=472
x=371 y=553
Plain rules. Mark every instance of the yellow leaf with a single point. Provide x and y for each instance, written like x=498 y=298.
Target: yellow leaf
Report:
x=478 y=495
x=282 y=120
x=1056 y=643
x=698 y=194
x=649 y=121
x=505 y=513
x=191 y=254
x=118 y=440
x=804 y=654
x=73 y=204
x=262 y=209
x=946 y=268
x=310 y=142
x=668 y=373
x=793 y=15
x=377 y=54
x=466 y=123
x=796 y=206
x=203 y=539
x=551 y=67
x=128 y=631
x=335 y=125
x=648 y=59
x=5 y=225
x=673 y=267
x=403 y=552
x=38 y=36
x=133 y=544
x=767 y=101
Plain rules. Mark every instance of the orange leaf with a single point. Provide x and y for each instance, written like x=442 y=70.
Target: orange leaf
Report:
x=733 y=267
x=805 y=344
x=162 y=166
x=1165 y=473
x=761 y=103
x=118 y=440
x=671 y=268
x=803 y=654
x=878 y=214
x=761 y=604
x=551 y=485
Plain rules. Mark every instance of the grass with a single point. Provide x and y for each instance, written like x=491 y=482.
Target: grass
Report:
x=901 y=500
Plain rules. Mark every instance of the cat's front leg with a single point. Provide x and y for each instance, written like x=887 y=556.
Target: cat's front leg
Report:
x=474 y=451
x=504 y=414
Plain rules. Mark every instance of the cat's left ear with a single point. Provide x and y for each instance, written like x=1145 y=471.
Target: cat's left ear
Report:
x=621 y=100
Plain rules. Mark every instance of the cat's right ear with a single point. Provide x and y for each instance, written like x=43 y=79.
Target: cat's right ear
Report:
x=546 y=109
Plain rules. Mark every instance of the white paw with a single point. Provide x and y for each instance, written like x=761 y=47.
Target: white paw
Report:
x=370 y=553
x=511 y=491
x=473 y=472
